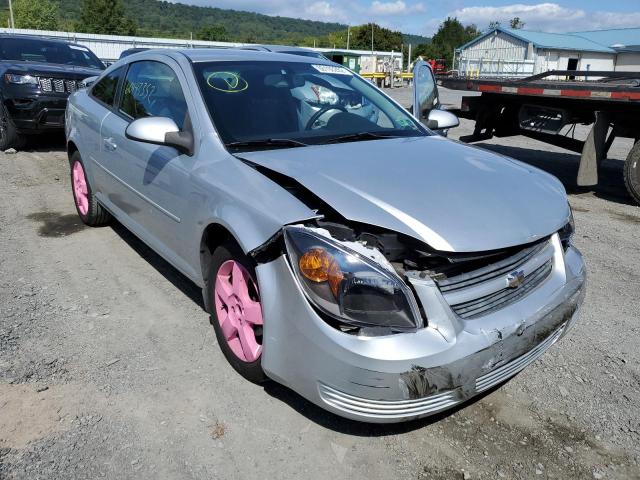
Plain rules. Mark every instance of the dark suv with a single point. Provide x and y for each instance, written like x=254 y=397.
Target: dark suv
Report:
x=37 y=76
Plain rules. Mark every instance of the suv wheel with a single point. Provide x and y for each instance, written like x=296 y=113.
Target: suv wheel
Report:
x=9 y=136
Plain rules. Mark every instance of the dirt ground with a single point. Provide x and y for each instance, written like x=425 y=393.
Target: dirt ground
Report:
x=109 y=366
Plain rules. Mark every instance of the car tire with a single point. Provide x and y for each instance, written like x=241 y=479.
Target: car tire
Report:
x=89 y=209
x=632 y=172
x=9 y=136
x=236 y=311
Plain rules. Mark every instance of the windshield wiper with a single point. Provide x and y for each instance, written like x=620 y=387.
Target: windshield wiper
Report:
x=267 y=142
x=354 y=137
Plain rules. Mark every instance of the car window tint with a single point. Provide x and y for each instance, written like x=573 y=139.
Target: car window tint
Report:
x=105 y=89
x=152 y=89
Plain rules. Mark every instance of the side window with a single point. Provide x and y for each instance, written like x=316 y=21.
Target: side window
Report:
x=105 y=89
x=152 y=89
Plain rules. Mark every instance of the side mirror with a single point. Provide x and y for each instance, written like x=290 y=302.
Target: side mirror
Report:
x=441 y=120
x=425 y=91
x=160 y=131
x=87 y=82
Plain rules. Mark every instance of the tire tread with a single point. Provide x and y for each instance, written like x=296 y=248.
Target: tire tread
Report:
x=632 y=174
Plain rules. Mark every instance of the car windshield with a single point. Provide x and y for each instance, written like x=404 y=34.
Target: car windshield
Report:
x=43 y=51
x=268 y=104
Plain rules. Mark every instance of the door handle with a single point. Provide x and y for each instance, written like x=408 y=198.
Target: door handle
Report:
x=109 y=144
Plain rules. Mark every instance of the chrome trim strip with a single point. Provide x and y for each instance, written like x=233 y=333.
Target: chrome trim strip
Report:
x=384 y=408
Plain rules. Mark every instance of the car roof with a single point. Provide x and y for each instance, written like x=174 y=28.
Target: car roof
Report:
x=279 y=48
x=36 y=37
x=196 y=55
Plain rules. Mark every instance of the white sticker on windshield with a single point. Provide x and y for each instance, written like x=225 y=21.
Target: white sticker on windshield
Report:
x=336 y=70
x=78 y=47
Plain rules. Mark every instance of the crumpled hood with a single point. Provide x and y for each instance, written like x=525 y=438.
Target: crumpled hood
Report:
x=452 y=196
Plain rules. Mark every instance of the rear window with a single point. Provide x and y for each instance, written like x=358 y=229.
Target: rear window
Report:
x=44 y=51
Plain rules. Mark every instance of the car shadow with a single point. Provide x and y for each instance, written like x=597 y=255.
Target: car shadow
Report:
x=45 y=142
x=564 y=165
x=177 y=279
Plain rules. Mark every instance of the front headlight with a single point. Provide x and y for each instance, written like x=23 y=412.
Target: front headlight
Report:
x=349 y=287
x=20 y=79
x=566 y=233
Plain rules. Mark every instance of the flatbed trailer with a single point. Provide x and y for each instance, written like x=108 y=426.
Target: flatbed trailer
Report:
x=542 y=105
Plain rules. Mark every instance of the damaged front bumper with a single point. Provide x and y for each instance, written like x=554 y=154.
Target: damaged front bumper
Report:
x=405 y=376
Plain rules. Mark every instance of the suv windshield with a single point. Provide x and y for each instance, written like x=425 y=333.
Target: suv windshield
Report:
x=43 y=51
x=268 y=104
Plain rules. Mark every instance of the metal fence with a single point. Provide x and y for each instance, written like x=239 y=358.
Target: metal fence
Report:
x=109 y=47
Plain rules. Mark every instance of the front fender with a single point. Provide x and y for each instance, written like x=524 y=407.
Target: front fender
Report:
x=249 y=205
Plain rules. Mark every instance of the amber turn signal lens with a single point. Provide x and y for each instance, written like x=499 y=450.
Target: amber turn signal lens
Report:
x=335 y=277
x=319 y=266
x=314 y=264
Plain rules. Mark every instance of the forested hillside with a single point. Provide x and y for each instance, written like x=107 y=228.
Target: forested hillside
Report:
x=155 y=18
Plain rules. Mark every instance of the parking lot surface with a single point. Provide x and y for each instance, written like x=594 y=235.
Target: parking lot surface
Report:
x=109 y=366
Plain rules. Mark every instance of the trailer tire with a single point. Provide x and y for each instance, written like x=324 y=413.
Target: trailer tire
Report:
x=632 y=172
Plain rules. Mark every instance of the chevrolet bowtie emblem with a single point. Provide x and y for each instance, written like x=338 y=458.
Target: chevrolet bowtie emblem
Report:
x=515 y=279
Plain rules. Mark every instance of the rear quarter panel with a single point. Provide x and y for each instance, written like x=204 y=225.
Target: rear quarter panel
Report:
x=82 y=126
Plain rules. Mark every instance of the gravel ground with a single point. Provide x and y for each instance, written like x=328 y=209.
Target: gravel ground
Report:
x=109 y=366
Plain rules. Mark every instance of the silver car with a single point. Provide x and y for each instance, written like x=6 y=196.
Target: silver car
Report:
x=378 y=269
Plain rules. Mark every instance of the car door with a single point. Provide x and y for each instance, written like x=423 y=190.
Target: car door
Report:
x=103 y=95
x=155 y=177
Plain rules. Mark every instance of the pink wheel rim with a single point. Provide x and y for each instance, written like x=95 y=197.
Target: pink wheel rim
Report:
x=239 y=315
x=80 y=190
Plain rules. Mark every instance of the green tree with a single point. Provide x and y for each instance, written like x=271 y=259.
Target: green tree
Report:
x=383 y=38
x=516 y=23
x=493 y=25
x=40 y=15
x=450 y=35
x=213 y=33
x=105 y=16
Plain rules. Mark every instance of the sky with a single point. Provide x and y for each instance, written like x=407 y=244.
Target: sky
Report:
x=422 y=17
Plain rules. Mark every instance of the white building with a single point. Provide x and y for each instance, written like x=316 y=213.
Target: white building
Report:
x=506 y=52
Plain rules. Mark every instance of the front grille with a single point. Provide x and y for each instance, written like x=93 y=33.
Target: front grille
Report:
x=502 y=298
x=57 y=85
x=486 y=289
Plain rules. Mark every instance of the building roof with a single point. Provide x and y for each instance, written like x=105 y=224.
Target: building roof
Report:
x=617 y=38
x=594 y=41
x=555 y=41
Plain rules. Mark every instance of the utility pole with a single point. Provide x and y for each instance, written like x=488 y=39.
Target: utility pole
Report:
x=13 y=25
x=371 y=37
x=409 y=60
x=348 y=35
